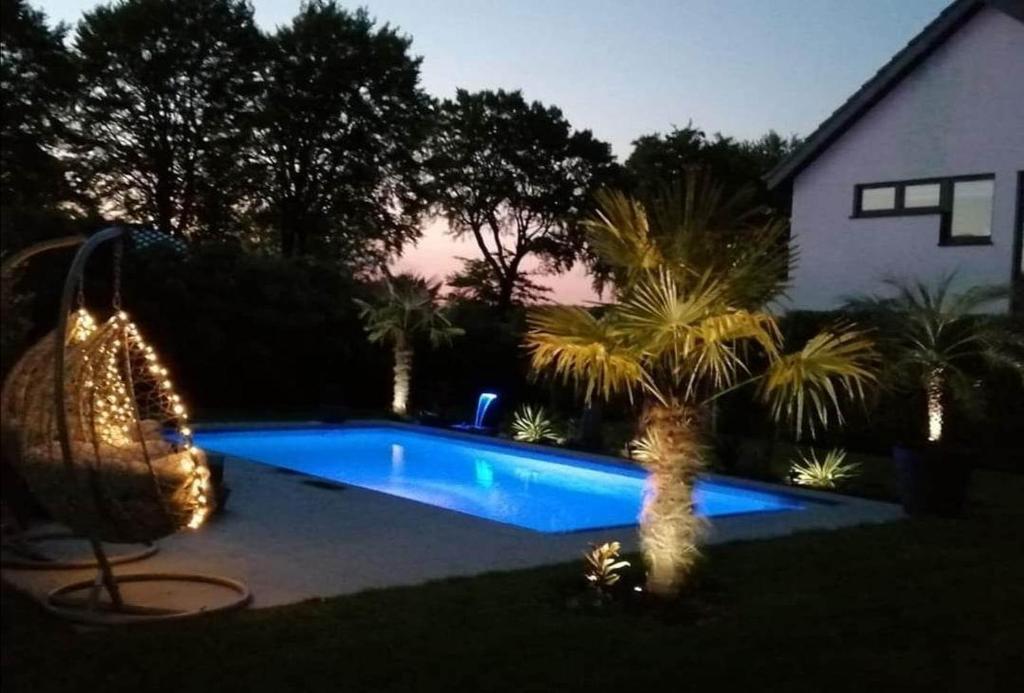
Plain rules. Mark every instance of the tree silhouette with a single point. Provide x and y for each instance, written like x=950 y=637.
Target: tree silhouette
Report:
x=476 y=282
x=165 y=111
x=517 y=177
x=37 y=82
x=660 y=161
x=340 y=135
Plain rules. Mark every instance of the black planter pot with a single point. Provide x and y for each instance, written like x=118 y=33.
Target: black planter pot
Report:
x=932 y=480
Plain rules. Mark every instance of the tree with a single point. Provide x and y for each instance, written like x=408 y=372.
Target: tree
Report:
x=405 y=308
x=165 y=112
x=937 y=344
x=477 y=282
x=661 y=161
x=37 y=86
x=692 y=278
x=517 y=177
x=342 y=127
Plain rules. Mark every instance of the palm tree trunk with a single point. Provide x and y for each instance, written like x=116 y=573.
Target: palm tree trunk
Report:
x=669 y=527
x=403 y=374
x=933 y=391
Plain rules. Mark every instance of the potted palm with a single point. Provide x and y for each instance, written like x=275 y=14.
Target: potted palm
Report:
x=693 y=274
x=937 y=344
x=406 y=307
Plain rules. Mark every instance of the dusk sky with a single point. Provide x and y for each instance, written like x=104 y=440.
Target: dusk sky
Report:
x=625 y=68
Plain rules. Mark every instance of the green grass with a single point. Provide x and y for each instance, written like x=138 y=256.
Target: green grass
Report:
x=923 y=605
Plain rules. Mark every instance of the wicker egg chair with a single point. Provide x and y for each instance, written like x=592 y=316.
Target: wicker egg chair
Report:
x=105 y=446
x=22 y=547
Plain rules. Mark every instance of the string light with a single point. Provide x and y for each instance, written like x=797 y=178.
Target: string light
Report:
x=114 y=407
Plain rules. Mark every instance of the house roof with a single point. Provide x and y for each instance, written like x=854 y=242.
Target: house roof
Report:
x=913 y=54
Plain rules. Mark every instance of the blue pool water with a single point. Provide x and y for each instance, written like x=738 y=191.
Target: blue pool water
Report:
x=546 y=492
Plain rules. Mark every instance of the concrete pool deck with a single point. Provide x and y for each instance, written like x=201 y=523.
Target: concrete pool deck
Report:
x=292 y=537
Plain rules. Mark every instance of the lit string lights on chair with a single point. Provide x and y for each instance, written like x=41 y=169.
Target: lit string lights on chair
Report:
x=104 y=444
x=116 y=409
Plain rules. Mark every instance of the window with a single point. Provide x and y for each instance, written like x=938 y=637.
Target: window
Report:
x=923 y=195
x=972 y=209
x=963 y=203
x=878 y=199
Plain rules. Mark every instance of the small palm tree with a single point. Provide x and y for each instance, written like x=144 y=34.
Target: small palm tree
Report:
x=692 y=275
x=937 y=342
x=405 y=307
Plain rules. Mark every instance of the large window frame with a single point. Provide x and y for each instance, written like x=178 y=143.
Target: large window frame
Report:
x=944 y=208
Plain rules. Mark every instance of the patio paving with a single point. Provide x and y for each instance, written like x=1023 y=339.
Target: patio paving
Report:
x=293 y=537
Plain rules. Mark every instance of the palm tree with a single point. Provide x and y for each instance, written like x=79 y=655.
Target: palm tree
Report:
x=692 y=274
x=405 y=307
x=937 y=342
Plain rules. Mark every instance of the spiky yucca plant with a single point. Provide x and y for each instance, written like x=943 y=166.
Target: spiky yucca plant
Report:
x=828 y=472
x=937 y=342
x=692 y=274
x=533 y=425
x=404 y=307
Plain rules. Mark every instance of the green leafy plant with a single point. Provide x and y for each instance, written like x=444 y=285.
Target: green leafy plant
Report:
x=603 y=565
x=829 y=472
x=693 y=275
x=533 y=425
x=937 y=342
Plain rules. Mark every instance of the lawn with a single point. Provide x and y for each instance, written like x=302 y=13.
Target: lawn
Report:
x=930 y=605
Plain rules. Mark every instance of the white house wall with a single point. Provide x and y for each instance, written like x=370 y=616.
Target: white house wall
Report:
x=960 y=112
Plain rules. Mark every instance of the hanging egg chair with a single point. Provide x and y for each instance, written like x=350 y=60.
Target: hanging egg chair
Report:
x=24 y=548
x=105 y=446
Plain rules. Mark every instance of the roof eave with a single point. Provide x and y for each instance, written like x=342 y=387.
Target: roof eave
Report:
x=884 y=81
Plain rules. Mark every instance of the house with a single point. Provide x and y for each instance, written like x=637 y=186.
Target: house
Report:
x=921 y=172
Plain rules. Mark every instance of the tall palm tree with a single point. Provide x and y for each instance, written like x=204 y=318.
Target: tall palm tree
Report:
x=938 y=341
x=692 y=275
x=404 y=308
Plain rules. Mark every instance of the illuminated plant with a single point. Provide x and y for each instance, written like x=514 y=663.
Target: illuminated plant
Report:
x=692 y=274
x=829 y=472
x=937 y=343
x=406 y=307
x=533 y=425
x=603 y=565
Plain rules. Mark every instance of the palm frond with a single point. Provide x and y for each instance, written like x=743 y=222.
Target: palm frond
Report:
x=619 y=235
x=578 y=348
x=404 y=306
x=926 y=328
x=702 y=229
x=694 y=332
x=806 y=387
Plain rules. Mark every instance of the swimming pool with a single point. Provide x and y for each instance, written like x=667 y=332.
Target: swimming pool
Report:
x=518 y=485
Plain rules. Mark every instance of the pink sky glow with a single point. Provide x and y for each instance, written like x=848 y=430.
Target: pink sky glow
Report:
x=437 y=254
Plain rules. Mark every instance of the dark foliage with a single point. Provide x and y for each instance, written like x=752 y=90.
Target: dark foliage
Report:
x=477 y=282
x=660 y=160
x=518 y=178
x=253 y=335
x=37 y=88
x=165 y=110
x=339 y=142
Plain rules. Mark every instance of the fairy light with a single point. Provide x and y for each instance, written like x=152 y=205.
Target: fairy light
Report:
x=115 y=412
x=83 y=325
